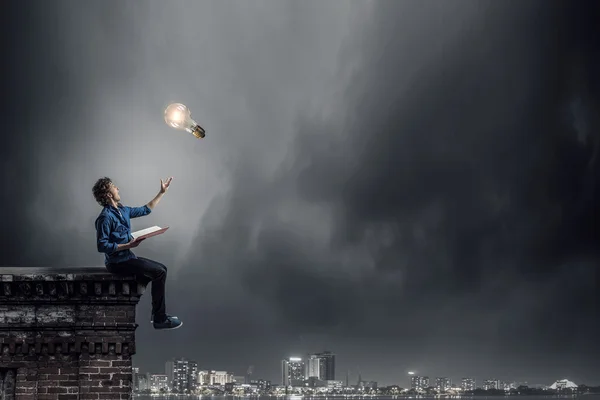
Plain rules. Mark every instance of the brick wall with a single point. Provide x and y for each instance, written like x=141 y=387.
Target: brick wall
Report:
x=66 y=335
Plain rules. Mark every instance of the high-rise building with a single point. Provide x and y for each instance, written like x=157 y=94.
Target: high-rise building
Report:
x=182 y=375
x=143 y=382
x=467 y=384
x=292 y=371
x=419 y=382
x=491 y=384
x=321 y=366
x=169 y=369
x=442 y=384
x=135 y=372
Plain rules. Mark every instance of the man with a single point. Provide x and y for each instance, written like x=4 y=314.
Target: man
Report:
x=113 y=235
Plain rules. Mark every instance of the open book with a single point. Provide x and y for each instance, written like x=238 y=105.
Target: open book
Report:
x=148 y=232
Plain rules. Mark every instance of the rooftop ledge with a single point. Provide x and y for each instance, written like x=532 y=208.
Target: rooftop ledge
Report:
x=9 y=274
x=72 y=284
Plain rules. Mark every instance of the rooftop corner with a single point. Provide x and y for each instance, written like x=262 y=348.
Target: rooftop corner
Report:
x=67 y=333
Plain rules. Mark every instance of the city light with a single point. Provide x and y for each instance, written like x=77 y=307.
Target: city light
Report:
x=299 y=378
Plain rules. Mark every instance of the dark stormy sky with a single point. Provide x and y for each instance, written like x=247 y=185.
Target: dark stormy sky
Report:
x=410 y=184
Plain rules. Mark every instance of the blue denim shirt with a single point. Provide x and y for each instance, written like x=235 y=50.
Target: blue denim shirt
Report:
x=113 y=227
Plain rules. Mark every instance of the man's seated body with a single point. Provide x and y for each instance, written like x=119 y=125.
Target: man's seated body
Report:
x=113 y=236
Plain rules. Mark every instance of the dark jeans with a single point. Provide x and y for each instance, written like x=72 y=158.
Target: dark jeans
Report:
x=146 y=270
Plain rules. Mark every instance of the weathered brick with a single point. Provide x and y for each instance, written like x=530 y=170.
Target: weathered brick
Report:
x=99 y=389
x=57 y=389
x=99 y=363
x=120 y=363
x=22 y=390
x=110 y=370
x=67 y=397
x=68 y=383
x=118 y=389
x=49 y=370
x=81 y=349
x=47 y=383
x=95 y=377
x=69 y=371
x=53 y=396
x=88 y=396
x=89 y=370
x=89 y=382
x=114 y=396
x=25 y=384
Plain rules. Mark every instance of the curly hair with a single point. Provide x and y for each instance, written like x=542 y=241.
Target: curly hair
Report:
x=100 y=191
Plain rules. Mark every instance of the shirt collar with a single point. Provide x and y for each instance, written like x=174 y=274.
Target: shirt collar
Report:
x=115 y=209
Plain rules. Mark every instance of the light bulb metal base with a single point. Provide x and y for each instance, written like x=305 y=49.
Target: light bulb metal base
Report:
x=197 y=131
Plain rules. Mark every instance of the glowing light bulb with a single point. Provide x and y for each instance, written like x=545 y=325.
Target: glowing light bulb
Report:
x=178 y=116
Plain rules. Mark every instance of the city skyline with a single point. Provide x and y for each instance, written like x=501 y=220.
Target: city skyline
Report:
x=413 y=184
x=211 y=377
x=406 y=379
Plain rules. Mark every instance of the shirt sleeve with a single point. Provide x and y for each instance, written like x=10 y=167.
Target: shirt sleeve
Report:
x=102 y=235
x=135 y=212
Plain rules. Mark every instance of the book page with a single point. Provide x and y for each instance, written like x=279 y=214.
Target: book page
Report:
x=146 y=231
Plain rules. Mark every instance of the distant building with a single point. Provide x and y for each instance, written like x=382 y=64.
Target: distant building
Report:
x=442 y=384
x=333 y=384
x=159 y=383
x=182 y=375
x=321 y=366
x=419 y=382
x=467 y=384
x=489 y=384
x=563 y=384
x=261 y=384
x=143 y=383
x=367 y=385
x=169 y=371
x=292 y=372
x=135 y=372
x=212 y=378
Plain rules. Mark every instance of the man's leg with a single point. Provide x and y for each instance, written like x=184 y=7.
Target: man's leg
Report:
x=163 y=267
x=152 y=270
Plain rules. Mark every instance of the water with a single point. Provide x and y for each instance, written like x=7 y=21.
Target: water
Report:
x=591 y=396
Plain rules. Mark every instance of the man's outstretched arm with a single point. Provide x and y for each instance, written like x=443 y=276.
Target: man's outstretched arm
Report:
x=164 y=186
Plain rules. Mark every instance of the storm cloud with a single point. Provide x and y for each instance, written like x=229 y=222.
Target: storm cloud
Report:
x=412 y=185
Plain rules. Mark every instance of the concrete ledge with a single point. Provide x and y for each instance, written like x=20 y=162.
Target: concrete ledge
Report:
x=91 y=284
x=51 y=273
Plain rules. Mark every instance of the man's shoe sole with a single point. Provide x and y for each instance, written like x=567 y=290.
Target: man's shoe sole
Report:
x=174 y=316
x=169 y=329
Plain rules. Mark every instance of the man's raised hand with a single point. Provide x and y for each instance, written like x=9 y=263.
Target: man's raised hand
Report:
x=165 y=185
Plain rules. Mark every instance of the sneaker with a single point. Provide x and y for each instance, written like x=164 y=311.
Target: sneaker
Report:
x=169 y=323
x=168 y=316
